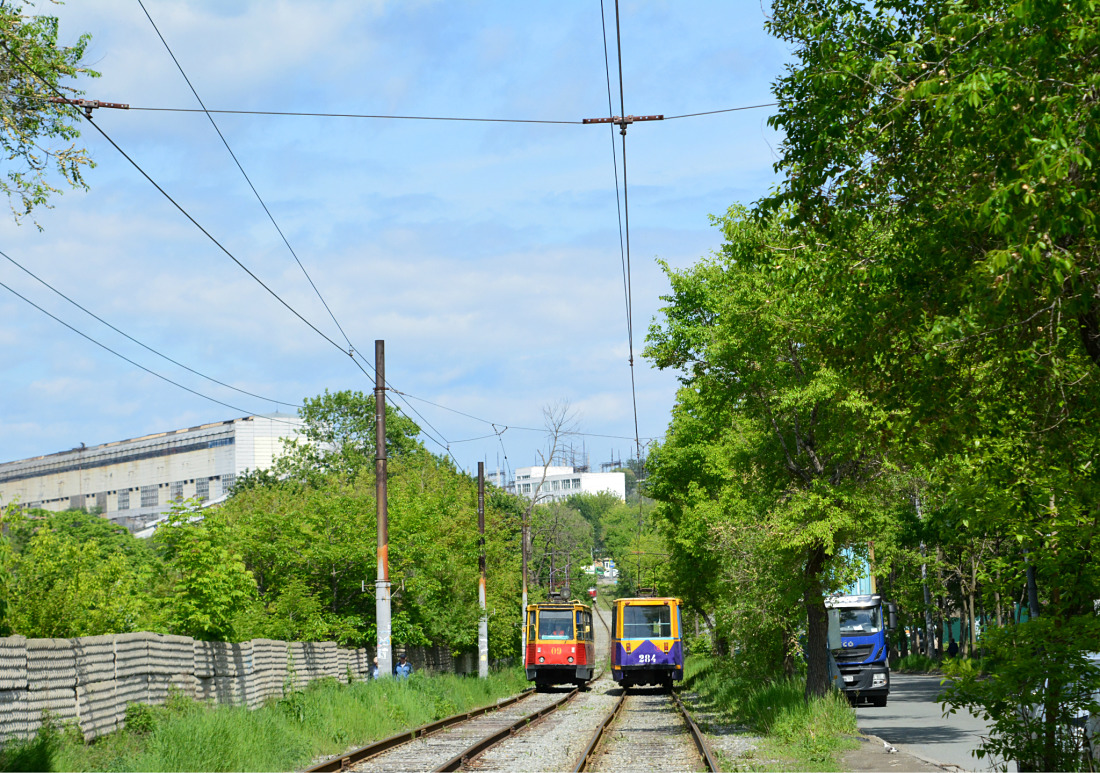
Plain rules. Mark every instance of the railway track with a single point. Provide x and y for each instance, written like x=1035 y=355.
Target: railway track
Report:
x=605 y=728
x=649 y=729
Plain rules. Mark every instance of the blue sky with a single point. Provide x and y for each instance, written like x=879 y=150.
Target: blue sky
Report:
x=486 y=255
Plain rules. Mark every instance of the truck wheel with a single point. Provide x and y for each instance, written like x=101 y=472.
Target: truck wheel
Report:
x=879 y=701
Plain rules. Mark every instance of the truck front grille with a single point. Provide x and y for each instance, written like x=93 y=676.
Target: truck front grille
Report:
x=856 y=654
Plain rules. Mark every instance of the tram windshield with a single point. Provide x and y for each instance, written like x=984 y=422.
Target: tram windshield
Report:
x=555 y=624
x=647 y=622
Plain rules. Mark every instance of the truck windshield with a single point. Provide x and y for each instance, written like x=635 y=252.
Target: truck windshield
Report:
x=860 y=620
x=647 y=622
x=555 y=624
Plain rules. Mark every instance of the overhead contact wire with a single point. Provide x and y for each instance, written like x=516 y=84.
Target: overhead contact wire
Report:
x=626 y=218
x=351 y=347
x=124 y=334
x=615 y=161
x=124 y=357
x=259 y=198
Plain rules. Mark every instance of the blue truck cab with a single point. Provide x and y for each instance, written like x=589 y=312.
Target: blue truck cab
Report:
x=858 y=639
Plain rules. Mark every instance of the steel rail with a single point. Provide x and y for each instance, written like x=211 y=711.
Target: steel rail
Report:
x=597 y=736
x=463 y=757
x=696 y=735
x=343 y=762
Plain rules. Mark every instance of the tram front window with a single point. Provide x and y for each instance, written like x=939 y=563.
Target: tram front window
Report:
x=555 y=624
x=647 y=622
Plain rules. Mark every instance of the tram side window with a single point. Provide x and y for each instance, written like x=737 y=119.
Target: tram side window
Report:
x=531 y=626
x=647 y=622
x=556 y=624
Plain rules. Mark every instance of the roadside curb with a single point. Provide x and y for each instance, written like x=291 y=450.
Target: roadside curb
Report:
x=942 y=765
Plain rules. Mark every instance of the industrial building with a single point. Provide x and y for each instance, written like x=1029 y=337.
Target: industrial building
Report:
x=134 y=482
x=564 y=482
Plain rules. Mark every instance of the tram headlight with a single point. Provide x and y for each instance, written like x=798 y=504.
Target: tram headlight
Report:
x=542 y=660
x=570 y=659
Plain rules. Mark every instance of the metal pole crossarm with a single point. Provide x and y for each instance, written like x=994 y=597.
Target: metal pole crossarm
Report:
x=88 y=104
x=622 y=122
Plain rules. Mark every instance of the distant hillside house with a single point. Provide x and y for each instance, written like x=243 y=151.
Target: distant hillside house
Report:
x=563 y=482
x=134 y=482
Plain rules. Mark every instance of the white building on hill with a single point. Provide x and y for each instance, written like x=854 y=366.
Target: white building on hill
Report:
x=563 y=482
x=135 y=481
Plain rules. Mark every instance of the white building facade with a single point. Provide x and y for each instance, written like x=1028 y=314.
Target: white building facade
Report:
x=135 y=482
x=563 y=482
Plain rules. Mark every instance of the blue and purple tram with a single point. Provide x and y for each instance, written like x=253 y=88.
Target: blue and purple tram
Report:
x=647 y=645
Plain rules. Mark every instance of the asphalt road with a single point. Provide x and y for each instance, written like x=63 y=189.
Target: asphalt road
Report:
x=913 y=722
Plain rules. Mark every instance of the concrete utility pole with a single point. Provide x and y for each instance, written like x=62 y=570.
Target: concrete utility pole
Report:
x=483 y=623
x=929 y=636
x=382 y=584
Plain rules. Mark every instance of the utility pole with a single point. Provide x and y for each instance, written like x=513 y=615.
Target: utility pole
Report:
x=929 y=637
x=483 y=623
x=382 y=584
x=523 y=608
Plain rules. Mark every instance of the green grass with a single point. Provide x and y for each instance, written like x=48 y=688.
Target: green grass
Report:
x=326 y=719
x=798 y=735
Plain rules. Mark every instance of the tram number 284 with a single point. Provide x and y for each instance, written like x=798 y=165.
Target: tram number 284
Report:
x=643 y=659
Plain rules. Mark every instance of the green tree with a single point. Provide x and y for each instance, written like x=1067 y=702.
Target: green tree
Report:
x=797 y=446
x=63 y=580
x=941 y=157
x=594 y=508
x=38 y=137
x=339 y=436
x=212 y=585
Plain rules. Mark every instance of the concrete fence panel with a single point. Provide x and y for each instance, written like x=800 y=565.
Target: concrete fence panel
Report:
x=91 y=680
x=203 y=659
x=95 y=659
x=132 y=654
x=13 y=663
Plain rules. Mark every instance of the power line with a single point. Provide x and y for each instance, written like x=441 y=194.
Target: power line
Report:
x=507 y=426
x=351 y=347
x=95 y=316
x=302 y=114
x=211 y=237
x=127 y=359
x=626 y=219
x=615 y=164
x=244 y=173
x=183 y=211
x=381 y=116
x=726 y=110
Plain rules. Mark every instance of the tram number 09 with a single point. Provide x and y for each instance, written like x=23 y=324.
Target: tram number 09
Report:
x=555 y=650
x=643 y=659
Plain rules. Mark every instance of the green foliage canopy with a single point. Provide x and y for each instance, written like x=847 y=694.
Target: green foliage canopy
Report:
x=38 y=138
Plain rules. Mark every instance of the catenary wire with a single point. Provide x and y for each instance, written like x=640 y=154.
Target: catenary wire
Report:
x=626 y=219
x=381 y=116
x=259 y=198
x=725 y=110
x=208 y=235
x=510 y=426
x=122 y=333
x=614 y=160
x=351 y=347
x=127 y=359
x=302 y=114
